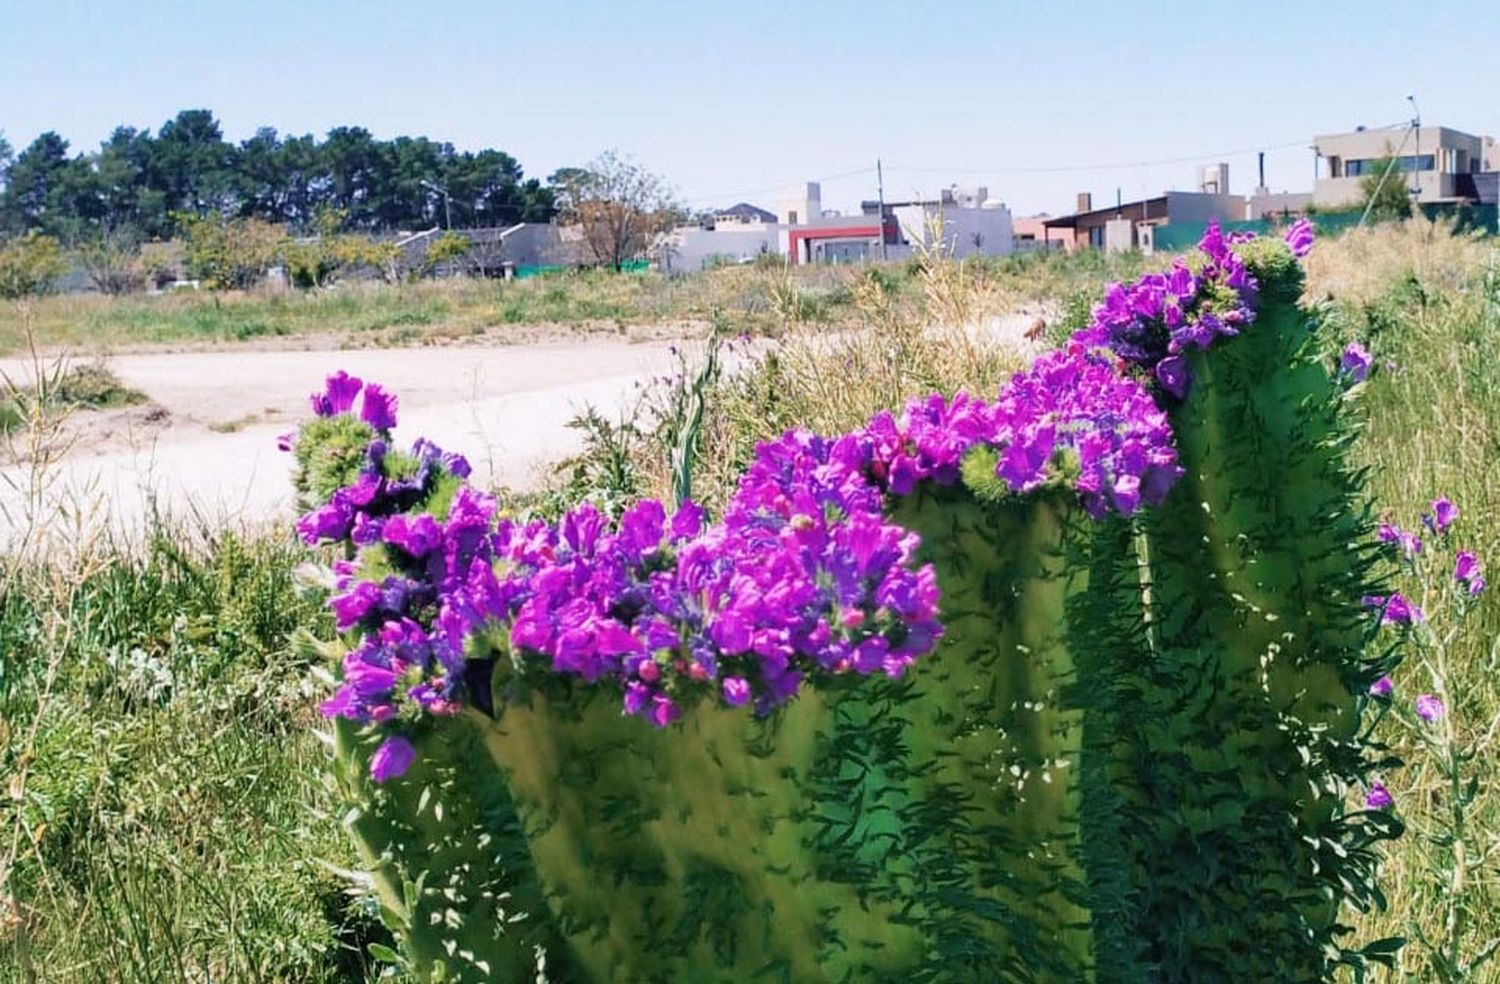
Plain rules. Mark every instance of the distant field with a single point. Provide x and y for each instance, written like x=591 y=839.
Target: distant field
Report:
x=757 y=299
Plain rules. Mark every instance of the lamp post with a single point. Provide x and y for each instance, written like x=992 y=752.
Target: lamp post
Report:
x=447 y=203
x=1416 y=123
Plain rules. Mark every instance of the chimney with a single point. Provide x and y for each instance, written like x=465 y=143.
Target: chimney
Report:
x=1085 y=202
x=814 y=201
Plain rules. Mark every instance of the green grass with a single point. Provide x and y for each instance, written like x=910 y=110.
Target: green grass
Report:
x=760 y=298
x=90 y=386
x=1429 y=309
x=169 y=822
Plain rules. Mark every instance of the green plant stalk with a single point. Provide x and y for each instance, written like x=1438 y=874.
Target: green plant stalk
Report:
x=450 y=868
x=1239 y=739
x=993 y=736
x=921 y=827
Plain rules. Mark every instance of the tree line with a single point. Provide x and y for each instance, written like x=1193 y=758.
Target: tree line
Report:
x=151 y=185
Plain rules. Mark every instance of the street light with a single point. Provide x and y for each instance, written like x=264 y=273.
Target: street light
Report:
x=447 y=203
x=1416 y=123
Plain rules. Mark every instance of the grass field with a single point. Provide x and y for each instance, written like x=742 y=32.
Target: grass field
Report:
x=167 y=816
x=759 y=298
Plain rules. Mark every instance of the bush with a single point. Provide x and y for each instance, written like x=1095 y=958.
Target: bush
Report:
x=29 y=264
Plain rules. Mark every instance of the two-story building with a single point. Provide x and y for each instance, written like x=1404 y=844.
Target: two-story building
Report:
x=1432 y=161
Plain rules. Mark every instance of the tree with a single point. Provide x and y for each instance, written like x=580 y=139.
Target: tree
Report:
x=1384 y=191
x=451 y=247
x=29 y=264
x=112 y=260
x=618 y=204
x=230 y=253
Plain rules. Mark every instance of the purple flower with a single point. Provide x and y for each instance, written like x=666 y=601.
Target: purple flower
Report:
x=1466 y=567
x=1409 y=543
x=1395 y=609
x=736 y=691
x=1355 y=362
x=287 y=441
x=1477 y=585
x=338 y=395
x=1443 y=515
x=1299 y=237
x=1382 y=687
x=1172 y=372
x=378 y=408
x=1378 y=798
x=1429 y=707
x=392 y=758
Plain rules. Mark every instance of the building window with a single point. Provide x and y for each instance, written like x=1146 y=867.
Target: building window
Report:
x=1354 y=169
x=1096 y=237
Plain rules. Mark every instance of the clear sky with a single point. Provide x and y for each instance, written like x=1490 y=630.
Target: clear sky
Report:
x=744 y=100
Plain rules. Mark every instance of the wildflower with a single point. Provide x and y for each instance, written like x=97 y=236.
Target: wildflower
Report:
x=736 y=691
x=1172 y=373
x=1443 y=515
x=1382 y=687
x=338 y=395
x=378 y=408
x=1429 y=707
x=1466 y=568
x=392 y=758
x=1378 y=797
x=1299 y=237
x=1355 y=362
x=1395 y=609
x=1408 y=542
x=1476 y=585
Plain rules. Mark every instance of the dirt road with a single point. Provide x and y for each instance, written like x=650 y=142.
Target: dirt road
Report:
x=205 y=444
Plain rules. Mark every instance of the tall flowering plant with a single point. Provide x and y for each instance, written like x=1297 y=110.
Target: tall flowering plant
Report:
x=1443 y=582
x=945 y=696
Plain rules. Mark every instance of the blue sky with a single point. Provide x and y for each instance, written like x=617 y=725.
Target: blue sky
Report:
x=745 y=100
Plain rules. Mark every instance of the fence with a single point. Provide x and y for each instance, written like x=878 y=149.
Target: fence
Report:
x=1179 y=237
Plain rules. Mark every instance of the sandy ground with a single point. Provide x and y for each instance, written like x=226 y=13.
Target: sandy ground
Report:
x=204 y=447
x=205 y=444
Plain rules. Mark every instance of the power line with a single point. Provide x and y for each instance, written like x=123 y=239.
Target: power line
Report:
x=780 y=187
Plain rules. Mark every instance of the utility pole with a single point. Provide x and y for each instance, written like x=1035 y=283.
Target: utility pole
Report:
x=447 y=202
x=1416 y=170
x=880 y=193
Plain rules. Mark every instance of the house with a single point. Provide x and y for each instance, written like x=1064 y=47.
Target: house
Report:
x=742 y=214
x=498 y=251
x=1129 y=225
x=1430 y=160
x=961 y=222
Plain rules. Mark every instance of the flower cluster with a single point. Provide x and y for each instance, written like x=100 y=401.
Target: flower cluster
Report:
x=1071 y=418
x=1151 y=323
x=665 y=607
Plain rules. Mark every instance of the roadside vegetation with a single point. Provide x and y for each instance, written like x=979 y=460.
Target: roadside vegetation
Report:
x=767 y=297
x=165 y=813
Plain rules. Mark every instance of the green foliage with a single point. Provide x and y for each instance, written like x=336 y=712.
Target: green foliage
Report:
x=330 y=453
x=144 y=181
x=1234 y=706
x=29 y=264
x=1384 y=191
x=230 y=253
x=449 y=247
x=166 y=797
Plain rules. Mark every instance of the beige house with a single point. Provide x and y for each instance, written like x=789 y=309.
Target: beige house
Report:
x=1429 y=160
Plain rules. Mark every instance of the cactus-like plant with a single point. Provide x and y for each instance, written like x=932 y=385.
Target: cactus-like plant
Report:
x=1126 y=753
x=1232 y=696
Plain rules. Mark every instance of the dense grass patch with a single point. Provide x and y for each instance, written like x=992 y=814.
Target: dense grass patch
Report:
x=165 y=778
x=760 y=298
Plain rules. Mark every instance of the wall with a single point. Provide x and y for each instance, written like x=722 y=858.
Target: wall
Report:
x=993 y=226
x=1196 y=207
x=692 y=248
